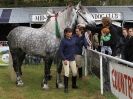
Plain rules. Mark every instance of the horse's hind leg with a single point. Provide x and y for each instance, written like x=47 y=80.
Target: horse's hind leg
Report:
x=18 y=57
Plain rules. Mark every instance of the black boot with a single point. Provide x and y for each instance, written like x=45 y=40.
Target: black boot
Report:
x=65 y=84
x=80 y=72
x=74 y=79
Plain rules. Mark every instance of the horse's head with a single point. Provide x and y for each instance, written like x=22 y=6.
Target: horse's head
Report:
x=84 y=16
x=67 y=18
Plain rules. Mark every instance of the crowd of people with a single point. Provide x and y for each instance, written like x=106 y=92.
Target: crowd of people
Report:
x=123 y=45
x=106 y=38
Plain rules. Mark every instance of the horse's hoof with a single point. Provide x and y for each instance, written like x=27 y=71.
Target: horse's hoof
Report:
x=59 y=85
x=45 y=87
x=19 y=83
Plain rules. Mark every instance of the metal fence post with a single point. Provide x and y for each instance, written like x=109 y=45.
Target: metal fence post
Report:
x=86 y=65
x=101 y=74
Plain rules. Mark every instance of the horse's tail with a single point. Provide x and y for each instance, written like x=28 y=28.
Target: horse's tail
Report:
x=11 y=37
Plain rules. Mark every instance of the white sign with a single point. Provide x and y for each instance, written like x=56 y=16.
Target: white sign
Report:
x=121 y=80
x=38 y=18
x=113 y=16
x=4 y=55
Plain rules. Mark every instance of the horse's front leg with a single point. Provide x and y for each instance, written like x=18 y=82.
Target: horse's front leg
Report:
x=58 y=75
x=46 y=73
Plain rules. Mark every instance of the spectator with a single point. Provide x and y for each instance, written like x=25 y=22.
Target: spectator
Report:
x=106 y=41
x=129 y=46
x=80 y=42
x=67 y=52
x=114 y=31
x=122 y=43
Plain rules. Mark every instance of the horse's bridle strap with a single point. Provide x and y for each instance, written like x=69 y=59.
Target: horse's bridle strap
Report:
x=82 y=16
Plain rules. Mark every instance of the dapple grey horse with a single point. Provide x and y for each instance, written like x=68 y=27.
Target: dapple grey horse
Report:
x=43 y=42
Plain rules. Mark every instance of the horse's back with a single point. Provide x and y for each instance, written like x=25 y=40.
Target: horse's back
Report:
x=32 y=41
x=17 y=31
x=18 y=35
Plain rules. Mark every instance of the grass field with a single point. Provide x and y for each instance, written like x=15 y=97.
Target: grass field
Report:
x=32 y=76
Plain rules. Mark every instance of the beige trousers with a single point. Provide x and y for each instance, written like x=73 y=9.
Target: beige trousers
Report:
x=72 y=65
x=79 y=61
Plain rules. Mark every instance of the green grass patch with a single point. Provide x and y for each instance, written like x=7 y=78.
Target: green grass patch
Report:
x=32 y=76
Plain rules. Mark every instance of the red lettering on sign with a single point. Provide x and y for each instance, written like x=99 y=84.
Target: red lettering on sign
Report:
x=122 y=83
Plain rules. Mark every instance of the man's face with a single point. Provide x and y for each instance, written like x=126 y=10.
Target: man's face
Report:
x=124 y=32
x=104 y=23
x=78 y=32
x=130 y=31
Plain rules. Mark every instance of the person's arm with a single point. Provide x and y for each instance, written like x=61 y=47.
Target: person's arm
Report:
x=86 y=44
x=61 y=48
x=93 y=29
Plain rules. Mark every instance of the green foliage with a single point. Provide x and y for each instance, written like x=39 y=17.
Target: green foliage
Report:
x=40 y=3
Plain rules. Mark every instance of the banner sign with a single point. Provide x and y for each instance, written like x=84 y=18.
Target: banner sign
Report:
x=4 y=55
x=113 y=16
x=38 y=18
x=96 y=16
x=121 y=80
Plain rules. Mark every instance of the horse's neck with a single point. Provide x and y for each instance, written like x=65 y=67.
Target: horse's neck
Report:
x=62 y=20
x=61 y=23
x=50 y=25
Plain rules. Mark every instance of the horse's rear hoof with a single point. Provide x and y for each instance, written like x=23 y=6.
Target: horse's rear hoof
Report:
x=45 y=87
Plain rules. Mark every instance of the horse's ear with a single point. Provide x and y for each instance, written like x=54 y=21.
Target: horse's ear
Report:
x=50 y=12
x=79 y=6
x=79 y=3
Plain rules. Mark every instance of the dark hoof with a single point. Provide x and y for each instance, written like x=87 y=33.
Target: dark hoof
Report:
x=57 y=85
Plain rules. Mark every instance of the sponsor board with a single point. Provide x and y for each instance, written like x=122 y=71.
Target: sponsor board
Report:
x=38 y=18
x=121 y=80
x=4 y=56
x=113 y=16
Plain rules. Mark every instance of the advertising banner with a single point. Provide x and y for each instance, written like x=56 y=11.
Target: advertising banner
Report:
x=121 y=80
x=4 y=55
x=113 y=16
